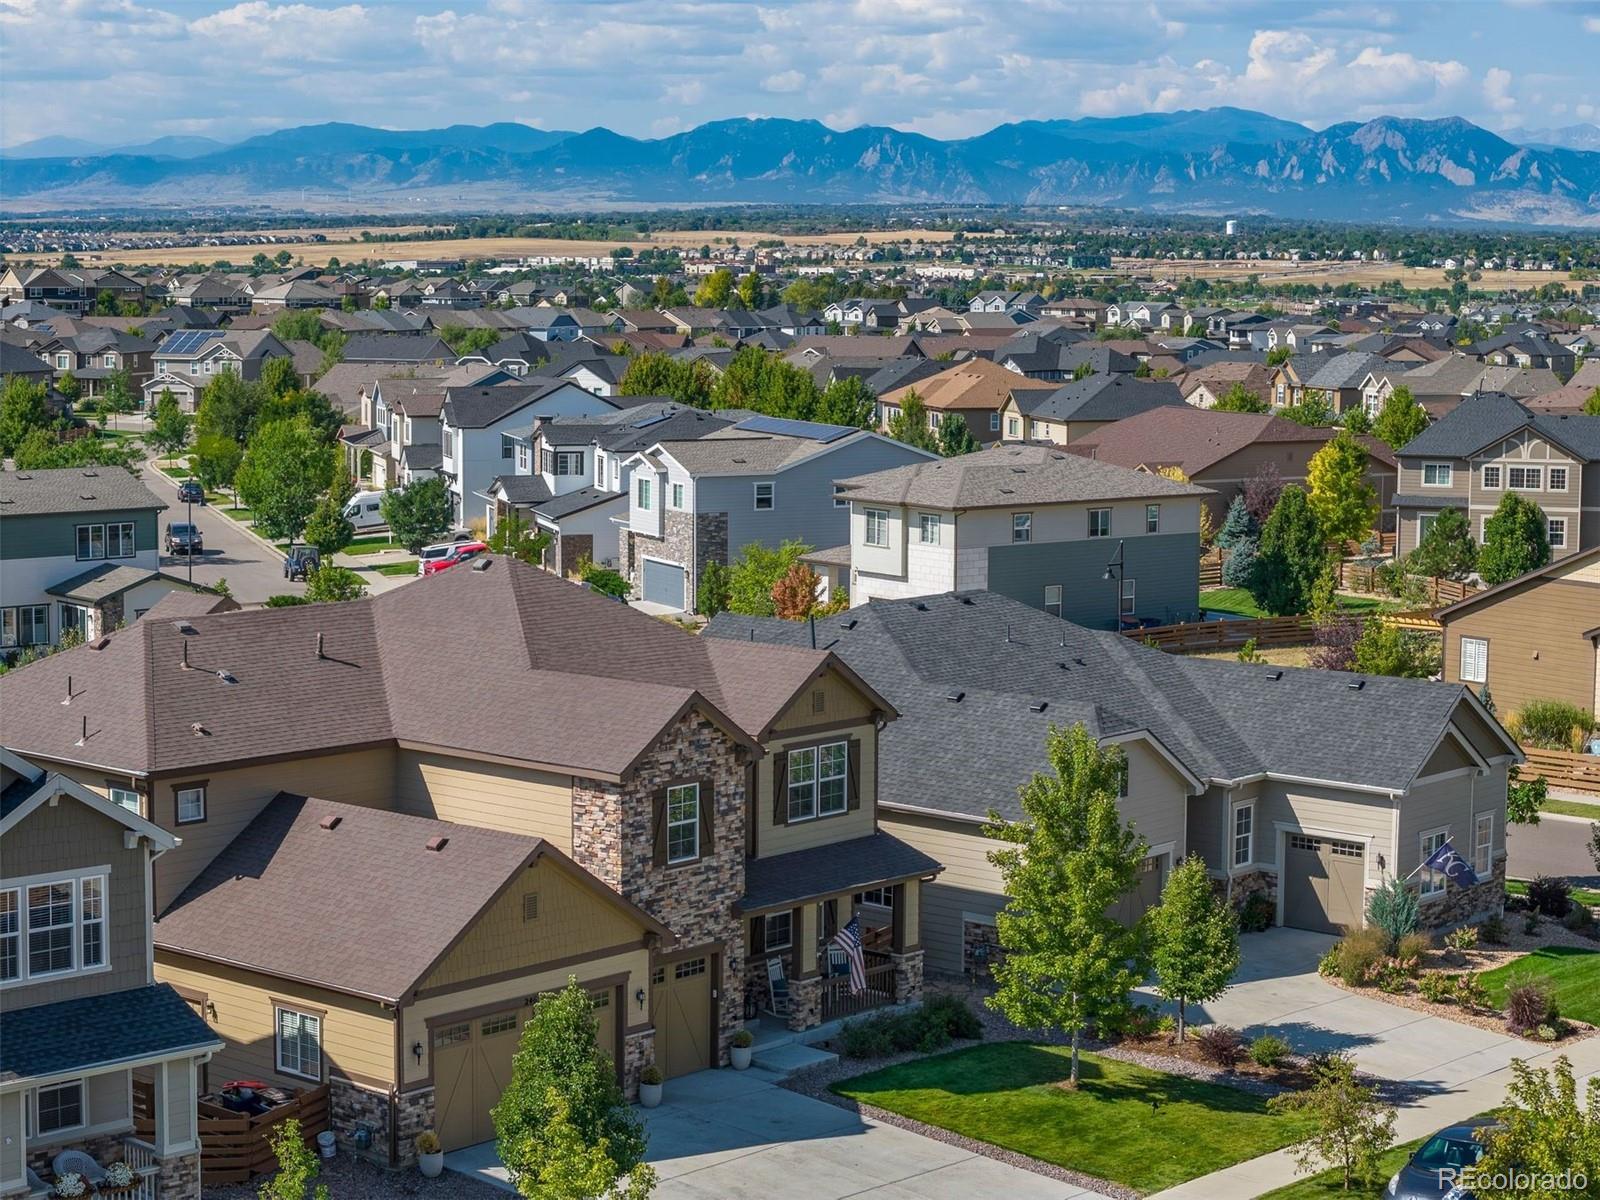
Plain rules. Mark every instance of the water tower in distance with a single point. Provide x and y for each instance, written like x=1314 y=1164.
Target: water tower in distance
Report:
x=1231 y=228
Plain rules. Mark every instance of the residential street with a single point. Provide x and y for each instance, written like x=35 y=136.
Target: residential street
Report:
x=1557 y=845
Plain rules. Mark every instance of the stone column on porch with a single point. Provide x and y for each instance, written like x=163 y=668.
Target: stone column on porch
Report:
x=176 y=1138
x=905 y=950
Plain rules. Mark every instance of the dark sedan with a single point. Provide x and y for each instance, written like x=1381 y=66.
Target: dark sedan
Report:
x=1435 y=1169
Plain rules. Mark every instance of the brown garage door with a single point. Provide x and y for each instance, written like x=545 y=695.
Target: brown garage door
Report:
x=681 y=1012
x=1146 y=891
x=471 y=1068
x=1323 y=883
x=605 y=1023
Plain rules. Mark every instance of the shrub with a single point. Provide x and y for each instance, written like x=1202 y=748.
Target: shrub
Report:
x=1530 y=1004
x=284 y=601
x=1547 y=1033
x=744 y=1039
x=956 y=1014
x=1167 y=1025
x=865 y=1039
x=427 y=1142
x=1494 y=931
x=1412 y=951
x=932 y=1027
x=1463 y=938
x=1393 y=979
x=1269 y=1051
x=1578 y=917
x=1552 y=724
x=1142 y=1022
x=1530 y=923
x=1220 y=1044
x=1361 y=952
x=1257 y=914
x=1470 y=992
x=1437 y=987
x=1550 y=896
x=1393 y=909
x=1328 y=964
x=651 y=1074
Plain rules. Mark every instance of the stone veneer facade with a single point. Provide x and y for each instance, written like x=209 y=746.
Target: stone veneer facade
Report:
x=613 y=837
x=638 y=1051
x=1247 y=884
x=690 y=539
x=1458 y=906
x=178 y=1176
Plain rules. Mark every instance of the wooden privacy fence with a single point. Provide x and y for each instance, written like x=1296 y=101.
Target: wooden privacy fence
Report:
x=1564 y=768
x=1362 y=577
x=1225 y=635
x=236 y=1147
x=1211 y=568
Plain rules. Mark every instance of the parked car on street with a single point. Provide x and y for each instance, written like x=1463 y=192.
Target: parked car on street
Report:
x=190 y=492
x=300 y=561
x=1435 y=1169
x=434 y=559
x=183 y=538
x=365 y=511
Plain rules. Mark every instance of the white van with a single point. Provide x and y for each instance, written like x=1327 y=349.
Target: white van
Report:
x=365 y=511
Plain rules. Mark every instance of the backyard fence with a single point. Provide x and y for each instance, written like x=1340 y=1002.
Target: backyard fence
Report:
x=1563 y=768
x=1192 y=636
x=236 y=1147
x=1363 y=577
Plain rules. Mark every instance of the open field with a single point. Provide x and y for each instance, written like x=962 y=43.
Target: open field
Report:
x=1330 y=272
x=344 y=244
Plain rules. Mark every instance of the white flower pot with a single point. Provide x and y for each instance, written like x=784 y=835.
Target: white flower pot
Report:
x=431 y=1165
x=649 y=1094
x=741 y=1056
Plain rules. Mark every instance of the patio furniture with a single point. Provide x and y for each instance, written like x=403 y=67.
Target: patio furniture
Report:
x=36 y=1186
x=76 y=1162
x=778 y=986
x=838 y=962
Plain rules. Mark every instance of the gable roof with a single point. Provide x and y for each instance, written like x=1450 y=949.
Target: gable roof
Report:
x=976 y=383
x=480 y=407
x=73 y=490
x=1099 y=398
x=1488 y=417
x=1554 y=567
x=1193 y=439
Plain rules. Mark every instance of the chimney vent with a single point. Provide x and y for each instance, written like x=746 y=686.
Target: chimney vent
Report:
x=437 y=843
x=320 y=654
x=330 y=822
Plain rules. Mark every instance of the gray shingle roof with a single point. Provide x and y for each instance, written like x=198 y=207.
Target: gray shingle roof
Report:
x=574 y=502
x=106 y=579
x=1345 y=370
x=1489 y=416
x=88 y=1031
x=73 y=490
x=1222 y=720
x=479 y=407
x=1009 y=475
x=1099 y=398
x=866 y=862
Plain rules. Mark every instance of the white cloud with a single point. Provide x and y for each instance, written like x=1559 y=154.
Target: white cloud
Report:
x=784 y=81
x=1592 y=24
x=1497 y=89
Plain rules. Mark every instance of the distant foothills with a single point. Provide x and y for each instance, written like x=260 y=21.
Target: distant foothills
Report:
x=1211 y=161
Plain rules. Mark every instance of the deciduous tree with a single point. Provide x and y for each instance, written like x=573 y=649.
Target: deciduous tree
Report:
x=1240 y=399
x=752 y=576
x=284 y=471
x=169 y=426
x=1353 y=1126
x=1346 y=505
x=1400 y=419
x=1515 y=540
x=418 y=513
x=794 y=595
x=333 y=583
x=714 y=289
x=1546 y=1134
x=518 y=539
x=687 y=382
x=23 y=408
x=846 y=401
x=1194 y=939
x=955 y=436
x=910 y=424
x=215 y=460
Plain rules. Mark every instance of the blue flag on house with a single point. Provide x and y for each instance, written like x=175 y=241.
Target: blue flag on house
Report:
x=1454 y=868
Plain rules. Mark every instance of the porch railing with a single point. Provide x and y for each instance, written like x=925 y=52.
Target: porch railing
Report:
x=141 y=1156
x=837 y=1000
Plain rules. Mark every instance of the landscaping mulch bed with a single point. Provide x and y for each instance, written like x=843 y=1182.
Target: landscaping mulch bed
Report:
x=351 y=1178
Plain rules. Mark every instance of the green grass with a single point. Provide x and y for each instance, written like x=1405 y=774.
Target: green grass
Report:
x=1575 y=974
x=373 y=545
x=1005 y=1093
x=1572 y=808
x=227 y=510
x=1241 y=603
x=1331 y=1183
x=408 y=567
x=1516 y=887
x=175 y=472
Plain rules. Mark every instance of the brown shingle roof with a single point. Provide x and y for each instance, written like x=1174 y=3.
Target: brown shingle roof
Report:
x=977 y=383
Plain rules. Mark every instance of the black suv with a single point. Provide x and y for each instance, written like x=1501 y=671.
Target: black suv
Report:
x=300 y=561
x=184 y=539
x=190 y=492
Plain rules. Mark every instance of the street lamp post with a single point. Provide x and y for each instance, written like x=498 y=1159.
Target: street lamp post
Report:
x=1114 y=572
x=189 y=556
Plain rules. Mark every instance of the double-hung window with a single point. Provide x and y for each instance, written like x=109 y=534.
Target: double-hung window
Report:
x=1474 y=660
x=59 y=1107
x=1436 y=474
x=51 y=919
x=1152 y=518
x=1099 y=522
x=928 y=528
x=569 y=462
x=817 y=781
x=1128 y=607
x=33 y=625
x=1052 y=599
x=508 y=446
x=92 y=917
x=1483 y=844
x=766 y=496
x=189 y=804
x=1491 y=476
x=1244 y=835
x=677 y=495
x=1433 y=882
x=779 y=930
x=10 y=935
x=299 y=1043
x=1021 y=527
x=644 y=494
x=877 y=533
x=1558 y=479
x=1013 y=427
x=994 y=422
x=683 y=823
x=119 y=540
x=1557 y=533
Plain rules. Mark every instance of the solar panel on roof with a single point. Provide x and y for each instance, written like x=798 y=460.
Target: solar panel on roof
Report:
x=785 y=427
x=187 y=341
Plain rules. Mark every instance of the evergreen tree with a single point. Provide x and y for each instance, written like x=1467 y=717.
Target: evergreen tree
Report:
x=1237 y=524
x=1447 y=550
x=1400 y=419
x=1515 y=540
x=1345 y=503
x=1289 y=556
x=955 y=437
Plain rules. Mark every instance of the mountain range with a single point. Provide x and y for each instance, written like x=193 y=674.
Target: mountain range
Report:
x=1221 y=160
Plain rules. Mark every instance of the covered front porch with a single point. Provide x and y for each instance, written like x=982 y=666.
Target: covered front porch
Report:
x=796 y=904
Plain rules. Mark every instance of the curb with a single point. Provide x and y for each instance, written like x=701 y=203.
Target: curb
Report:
x=247 y=530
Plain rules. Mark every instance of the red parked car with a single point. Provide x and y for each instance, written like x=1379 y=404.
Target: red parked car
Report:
x=435 y=559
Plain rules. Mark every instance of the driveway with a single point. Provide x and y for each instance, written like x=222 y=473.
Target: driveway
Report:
x=1278 y=989
x=1557 y=845
x=725 y=1135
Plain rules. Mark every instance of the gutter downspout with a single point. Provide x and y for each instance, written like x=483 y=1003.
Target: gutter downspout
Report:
x=1227 y=865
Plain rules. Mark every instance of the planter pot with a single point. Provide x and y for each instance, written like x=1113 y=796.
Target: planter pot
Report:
x=741 y=1056
x=431 y=1165
x=649 y=1094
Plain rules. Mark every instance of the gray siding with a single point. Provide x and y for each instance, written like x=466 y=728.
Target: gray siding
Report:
x=54 y=535
x=1165 y=568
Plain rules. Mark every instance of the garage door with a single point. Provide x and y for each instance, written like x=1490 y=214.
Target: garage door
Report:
x=663 y=583
x=1323 y=883
x=1146 y=892
x=471 y=1068
x=681 y=1012
x=605 y=1023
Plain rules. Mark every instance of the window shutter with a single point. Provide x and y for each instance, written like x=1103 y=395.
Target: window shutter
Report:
x=780 y=782
x=659 y=801
x=854 y=783
x=758 y=935
x=708 y=816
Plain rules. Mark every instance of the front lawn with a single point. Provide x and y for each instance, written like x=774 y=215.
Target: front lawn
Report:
x=1517 y=887
x=1574 y=973
x=1240 y=603
x=238 y=514
x=1571 y=808
x=408 y=567
x=373 y=545
x=1127 y=1124
x=1331 y=1183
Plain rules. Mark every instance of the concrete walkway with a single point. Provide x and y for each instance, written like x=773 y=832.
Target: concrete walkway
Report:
x=1460 y=1070
x=729 y=1135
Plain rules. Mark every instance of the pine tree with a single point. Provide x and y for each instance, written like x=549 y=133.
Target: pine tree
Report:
x=1289 y=557
x=1447 y=550
x=1237 y=524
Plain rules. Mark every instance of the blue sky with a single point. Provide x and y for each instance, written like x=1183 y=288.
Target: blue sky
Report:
x=124 y=70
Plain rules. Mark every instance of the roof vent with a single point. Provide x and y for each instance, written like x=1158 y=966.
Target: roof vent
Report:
x=330 y=822
x=437 y=843
x=183 y=627
x=1274 y=675
x=101 y=642
x=1038 y=706
x=967 y=600
x=850 y=624
x=1080 y=662
x=199 y=730
x=227 y=677
x=23 y=475
x=91 y=474
x=920 y=606
x=482 y=564
x=1355 y=685
x=85 y=495
x=954 y=697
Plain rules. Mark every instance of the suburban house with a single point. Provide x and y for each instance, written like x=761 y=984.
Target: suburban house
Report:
x=18 y=360
x=87 y=1026
x=1222 y=451
x=94 y=355
x=1094 y=543
x=81 y=552
x=1064 y=414
x=1535 y=637
x=398 y=424
x=567 y=477
x=976 y=390
x=187 y=359
x=208 y=291
x=1339 y=381
x=59 y=289
x=1307 y=787
x=764 y=480
x=478 y=425
x=591 y=793
x=1203 y=386
x=1056 y=355
x=1489 y=444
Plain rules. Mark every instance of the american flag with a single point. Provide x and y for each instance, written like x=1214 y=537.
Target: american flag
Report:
x=848 y=939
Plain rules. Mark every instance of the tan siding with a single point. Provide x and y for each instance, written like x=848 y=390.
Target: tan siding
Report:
x=67 y=837
x=180 y=1104
x=968 y=884
x=1155 y=805
x=514 y=799
x=1326 y=810
x=571 y=920
x=11 y=1140
x=1536 y=646
x=357 y=1035
x=1448 y=757
x=774 y=838
x=842 y=702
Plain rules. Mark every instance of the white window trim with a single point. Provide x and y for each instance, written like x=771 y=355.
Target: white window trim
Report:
x=177 y=805
x=1054 y=604
x=1499 y=477
x=75 y=879
x=1479 y=821
x=1483 y=674
x=1234 y=861
x=52 y=1135
x=112 y=794
x=1537 y=473
x=1152 y=518
x=1091 y=522
x=693 y=824
x=1551 y=535
x=813 y=786
x=994 y=422
x=875 y=514
x=771 y=496
x=1424 y=892
x=277 y=1041
x=1550 y=479
x=1021 y=522
x=642 y=494
x=1447 y=469
x=766 y=931
x=1127 y=601
x=922 y=529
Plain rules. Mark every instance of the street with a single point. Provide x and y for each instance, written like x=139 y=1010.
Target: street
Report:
x=1557 y=845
